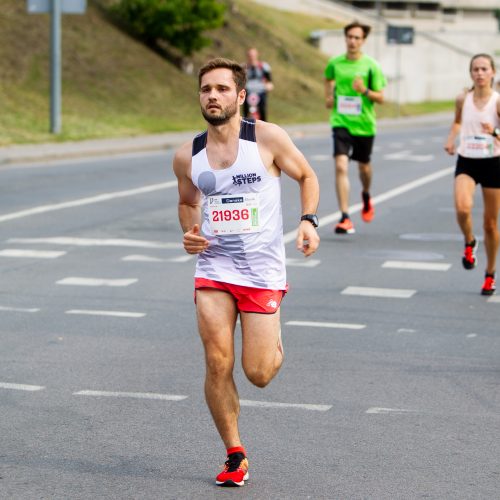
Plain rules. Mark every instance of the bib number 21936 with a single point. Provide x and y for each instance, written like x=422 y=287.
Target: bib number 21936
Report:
x=236 y=214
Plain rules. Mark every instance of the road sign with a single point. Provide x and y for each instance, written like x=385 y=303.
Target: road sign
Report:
x=67 y=6
x=55 y=8
x=400 y=35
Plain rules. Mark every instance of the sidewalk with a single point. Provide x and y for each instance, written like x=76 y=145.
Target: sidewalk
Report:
x=104 y=147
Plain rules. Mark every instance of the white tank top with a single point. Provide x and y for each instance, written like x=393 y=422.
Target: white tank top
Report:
x=241 y=217
x=474 y=143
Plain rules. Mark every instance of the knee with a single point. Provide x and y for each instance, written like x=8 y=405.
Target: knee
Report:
x=219 y=365
x=258 y=376
x=490 y=226
x=463 y=210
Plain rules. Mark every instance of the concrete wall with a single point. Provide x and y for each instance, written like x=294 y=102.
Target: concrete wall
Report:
x=434 y=68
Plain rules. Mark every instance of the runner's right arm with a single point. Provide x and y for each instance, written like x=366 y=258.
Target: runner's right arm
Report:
x=329 y=87
x=189 y=207
x=449 y=146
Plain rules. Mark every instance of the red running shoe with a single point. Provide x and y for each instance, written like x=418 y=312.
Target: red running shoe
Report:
x=469 y=260
x=235 y=471
x=345 y=227
x=489 y=287
x=368 y=212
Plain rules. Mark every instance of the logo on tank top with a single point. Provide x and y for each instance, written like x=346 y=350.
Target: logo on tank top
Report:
x=241 y=179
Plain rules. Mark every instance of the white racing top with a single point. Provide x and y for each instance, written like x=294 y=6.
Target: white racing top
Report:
x=241 y=217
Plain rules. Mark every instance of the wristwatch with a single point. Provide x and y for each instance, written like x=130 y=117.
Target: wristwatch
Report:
x=496 y=132
x=312 y=218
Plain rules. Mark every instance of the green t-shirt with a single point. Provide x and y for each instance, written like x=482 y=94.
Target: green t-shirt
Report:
x=350 y=109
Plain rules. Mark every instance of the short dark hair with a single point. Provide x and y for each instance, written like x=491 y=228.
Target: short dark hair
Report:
x=239 y=73
x=356 y=24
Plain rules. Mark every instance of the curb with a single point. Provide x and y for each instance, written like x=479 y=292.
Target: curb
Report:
x=158 y=142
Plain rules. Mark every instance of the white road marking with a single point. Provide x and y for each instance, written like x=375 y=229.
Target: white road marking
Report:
x=417 y=266
x=319 y=324
x=472 y=335
x=19 y=309
x=393 y=293
x=76 y=281
x=118 y=314
x=303 y=262
x=322 y=157
x=95 y=242
x=31 y=254
x=407 y=155
x=386 y=411
x=148 y=258
x=494 y=298
x=392 y=193
x=406 y=330
x=136 y=395
x=268 y=404
x=87 y=201
x=21 y=387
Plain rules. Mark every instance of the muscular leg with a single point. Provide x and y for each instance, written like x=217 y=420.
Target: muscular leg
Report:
x=342 y=184
x=464 y=201
x=217 y=315
x=365 y=176
x=491 y=200
x=261 y=357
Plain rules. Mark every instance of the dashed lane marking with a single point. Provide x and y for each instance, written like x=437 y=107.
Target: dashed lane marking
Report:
x=319 y=324
x=20 y=309
x=117 y=314
x=30 y=254
x=76 y=281
x=148 y=258
x=97 y=242
x=408 y=156
x=386 y=411
x=494 y=299
x=21 y=387
x=135 y=395
x=303 y=262
x=87 y=201
x=393 y=293
x=416 y=266
x=299 y=406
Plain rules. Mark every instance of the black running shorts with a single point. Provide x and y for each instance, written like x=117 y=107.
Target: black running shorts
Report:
x=484 y=171
x=356 y=147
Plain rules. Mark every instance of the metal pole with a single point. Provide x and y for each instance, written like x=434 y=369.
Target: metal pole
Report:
x=55 y=66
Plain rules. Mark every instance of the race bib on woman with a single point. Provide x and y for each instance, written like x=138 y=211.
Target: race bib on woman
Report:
x=234 y=214
x=478 y=146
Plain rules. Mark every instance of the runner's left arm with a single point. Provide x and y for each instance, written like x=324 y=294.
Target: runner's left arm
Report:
x=287 y=158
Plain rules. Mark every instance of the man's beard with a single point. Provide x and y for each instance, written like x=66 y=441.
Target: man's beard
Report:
x=225 y=115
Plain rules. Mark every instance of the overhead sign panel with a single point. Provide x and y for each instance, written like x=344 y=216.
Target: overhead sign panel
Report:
x=400 y=35
x=67 y=6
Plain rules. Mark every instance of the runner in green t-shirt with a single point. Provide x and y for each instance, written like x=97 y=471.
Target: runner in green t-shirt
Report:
x=353 y=83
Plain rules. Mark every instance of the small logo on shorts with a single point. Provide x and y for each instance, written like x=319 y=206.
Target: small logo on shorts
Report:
x=272 y=303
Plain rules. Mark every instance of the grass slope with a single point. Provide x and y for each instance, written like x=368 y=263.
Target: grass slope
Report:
x=115 y=86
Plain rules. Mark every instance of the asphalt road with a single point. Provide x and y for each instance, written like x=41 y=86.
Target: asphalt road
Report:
x=390 y=386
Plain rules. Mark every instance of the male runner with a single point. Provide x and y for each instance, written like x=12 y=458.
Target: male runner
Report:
x=259 y=83
x=230 y=212
x=353 y=83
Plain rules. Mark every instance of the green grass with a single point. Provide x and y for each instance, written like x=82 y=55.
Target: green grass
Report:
x=114 y=86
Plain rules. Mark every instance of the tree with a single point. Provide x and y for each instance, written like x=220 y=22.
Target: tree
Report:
x=180 y=23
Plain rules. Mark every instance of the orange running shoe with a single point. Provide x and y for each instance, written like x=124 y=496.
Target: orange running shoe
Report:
x=235 y=471
x=345 y=227
x=368 y=212
x=489 y=287
x=469 y=260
